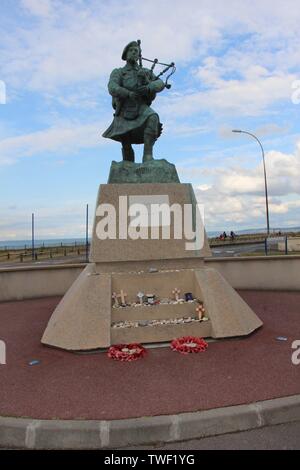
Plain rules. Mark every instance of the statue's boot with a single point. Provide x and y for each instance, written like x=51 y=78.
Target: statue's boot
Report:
x=128 y=153
x=148 y=147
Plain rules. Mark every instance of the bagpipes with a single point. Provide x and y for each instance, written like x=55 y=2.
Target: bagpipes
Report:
x=154 y=63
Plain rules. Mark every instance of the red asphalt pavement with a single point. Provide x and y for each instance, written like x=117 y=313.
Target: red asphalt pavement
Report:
x=91 y=386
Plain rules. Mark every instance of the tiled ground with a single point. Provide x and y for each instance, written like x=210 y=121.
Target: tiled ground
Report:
x=92 y=386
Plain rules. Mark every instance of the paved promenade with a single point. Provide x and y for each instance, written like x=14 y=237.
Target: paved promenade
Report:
x=68 y=386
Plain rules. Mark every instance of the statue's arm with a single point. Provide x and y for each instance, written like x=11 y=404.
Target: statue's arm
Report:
x=156 y=84
x=114 y=87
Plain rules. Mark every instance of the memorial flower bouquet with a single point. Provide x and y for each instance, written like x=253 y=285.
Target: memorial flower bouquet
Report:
x=126 y=352
x=189 y=344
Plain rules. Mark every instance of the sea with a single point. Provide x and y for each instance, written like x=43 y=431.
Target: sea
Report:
x=15 y=244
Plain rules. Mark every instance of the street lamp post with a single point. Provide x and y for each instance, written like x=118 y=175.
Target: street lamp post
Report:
x=265 y=174
x=87 y=234
x=32 y=237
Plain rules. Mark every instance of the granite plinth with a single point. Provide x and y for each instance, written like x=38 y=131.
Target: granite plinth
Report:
x=145 y=248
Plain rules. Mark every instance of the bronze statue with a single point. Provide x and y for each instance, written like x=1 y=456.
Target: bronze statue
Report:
x=133 y=88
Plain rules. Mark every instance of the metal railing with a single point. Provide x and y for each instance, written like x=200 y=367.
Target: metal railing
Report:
x=42 y=252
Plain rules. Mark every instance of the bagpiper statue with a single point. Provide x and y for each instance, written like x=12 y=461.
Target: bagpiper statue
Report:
x=133 y=88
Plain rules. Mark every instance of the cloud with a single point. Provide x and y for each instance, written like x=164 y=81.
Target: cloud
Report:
x=65 y=138
x=267 y=129
x=40 y=8
x=66 y=220
x=236 y=196
x=204 y=187
x=185 y=130
x=223 y=211
x=270 y=128
x=73 y=42
x=248 y=97
x=283 y=176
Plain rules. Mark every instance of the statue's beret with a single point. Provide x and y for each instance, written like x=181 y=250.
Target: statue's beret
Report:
x=132 y=43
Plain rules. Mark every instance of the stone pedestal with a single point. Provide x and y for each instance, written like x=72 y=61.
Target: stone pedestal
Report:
x=85 y=318
x=122 y=197
x=160 y=171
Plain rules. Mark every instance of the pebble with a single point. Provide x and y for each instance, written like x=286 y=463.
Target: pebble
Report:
x=157 y=322
x=34 y=362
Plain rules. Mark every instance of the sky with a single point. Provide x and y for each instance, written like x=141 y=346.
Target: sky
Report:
x=238 y=67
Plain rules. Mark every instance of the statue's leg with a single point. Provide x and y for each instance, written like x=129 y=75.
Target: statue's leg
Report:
x=150 y=136
x=127 y=151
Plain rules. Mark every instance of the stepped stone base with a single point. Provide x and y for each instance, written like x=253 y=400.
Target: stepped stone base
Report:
x=83 y=319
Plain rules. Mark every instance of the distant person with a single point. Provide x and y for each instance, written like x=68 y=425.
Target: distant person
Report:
x=232 y=235
x=224 y=235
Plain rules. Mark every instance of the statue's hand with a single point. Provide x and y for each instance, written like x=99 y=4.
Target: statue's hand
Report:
x=143 y=90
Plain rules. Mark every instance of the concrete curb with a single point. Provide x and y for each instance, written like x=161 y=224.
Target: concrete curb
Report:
x=24 y=433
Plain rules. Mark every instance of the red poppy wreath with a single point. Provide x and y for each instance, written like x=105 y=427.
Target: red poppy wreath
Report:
x=126 y=352
x=189 y=344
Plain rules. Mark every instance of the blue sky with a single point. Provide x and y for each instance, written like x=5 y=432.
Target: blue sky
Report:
x=237 y=63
